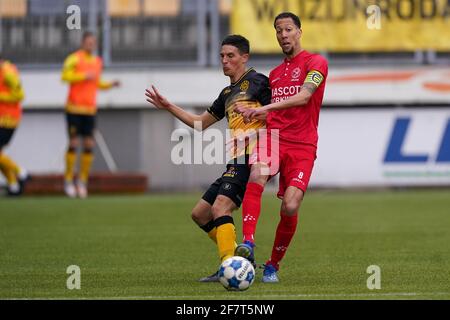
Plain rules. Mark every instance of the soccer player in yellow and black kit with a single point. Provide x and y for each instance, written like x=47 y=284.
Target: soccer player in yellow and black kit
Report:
x=82 y=71
x=11 y=94
x=213 y=213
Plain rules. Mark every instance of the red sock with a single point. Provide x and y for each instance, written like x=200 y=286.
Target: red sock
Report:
x=251 y=208
x=285 y=231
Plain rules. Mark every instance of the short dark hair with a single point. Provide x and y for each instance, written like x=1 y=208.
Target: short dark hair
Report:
x=285 y=15
x=239 y=42
x=87 y=34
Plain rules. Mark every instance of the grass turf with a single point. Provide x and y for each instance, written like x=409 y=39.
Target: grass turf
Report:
x=147 y=247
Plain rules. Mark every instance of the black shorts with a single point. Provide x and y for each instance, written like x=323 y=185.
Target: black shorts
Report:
x=80 y=125
x=231 y=184
x=5 y=136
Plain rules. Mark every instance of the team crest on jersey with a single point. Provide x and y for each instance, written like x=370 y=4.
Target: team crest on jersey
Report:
x=296 y=73
x=244 y=85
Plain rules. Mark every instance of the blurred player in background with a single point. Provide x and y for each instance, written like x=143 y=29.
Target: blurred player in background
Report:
x=213 y=213
x=82 y=71
x=11 y=94
x=297 y=86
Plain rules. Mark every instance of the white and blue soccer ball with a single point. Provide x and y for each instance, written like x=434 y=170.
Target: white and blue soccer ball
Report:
x=236 y=273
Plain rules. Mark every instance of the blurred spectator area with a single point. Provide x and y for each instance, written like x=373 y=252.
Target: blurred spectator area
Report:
x=140 y=32
x=35 y=31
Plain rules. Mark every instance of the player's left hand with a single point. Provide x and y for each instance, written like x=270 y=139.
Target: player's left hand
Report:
x=244 y=110
x=260 y=114
x=240 y=107
x=250 y=114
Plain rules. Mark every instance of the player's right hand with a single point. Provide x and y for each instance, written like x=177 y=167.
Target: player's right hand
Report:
x=155 y=98
x=116 y=83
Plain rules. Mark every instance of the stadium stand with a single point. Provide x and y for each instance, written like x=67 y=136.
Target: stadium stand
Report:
x=124 y=8
x=162 y=8
x=31 y=33
x=13 y=8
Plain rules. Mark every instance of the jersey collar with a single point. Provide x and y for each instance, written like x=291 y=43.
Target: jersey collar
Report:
x=296 y=58
x=242 y=77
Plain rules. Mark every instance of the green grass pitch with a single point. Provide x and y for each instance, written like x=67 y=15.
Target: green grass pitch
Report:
x=147 y=247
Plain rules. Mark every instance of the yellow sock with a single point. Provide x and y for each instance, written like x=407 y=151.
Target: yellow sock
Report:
x=9 y=168
x=213 y=235
x=226 y=240
x=71 y=159
x=86 y=162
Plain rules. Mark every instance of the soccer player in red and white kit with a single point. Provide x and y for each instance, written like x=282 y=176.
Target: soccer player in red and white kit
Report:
x=297 y=87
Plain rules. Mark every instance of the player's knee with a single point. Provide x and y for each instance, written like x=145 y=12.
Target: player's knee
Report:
x=199 y=217
x=290 y=207
x=73 y=143
x=196 y=216
x=259 y=174
x=88 y=144
x=259 y=179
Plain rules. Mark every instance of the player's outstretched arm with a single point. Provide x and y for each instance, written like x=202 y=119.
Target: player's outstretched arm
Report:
x=300 y=99
x=106 y=85
x=195 y=121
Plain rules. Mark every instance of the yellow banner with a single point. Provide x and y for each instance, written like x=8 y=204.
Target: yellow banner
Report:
x=348 y=25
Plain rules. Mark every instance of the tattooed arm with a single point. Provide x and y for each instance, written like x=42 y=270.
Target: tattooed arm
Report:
x=300 y=99
x=312 y=81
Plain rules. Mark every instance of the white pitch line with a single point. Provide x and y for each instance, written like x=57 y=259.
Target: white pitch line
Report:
x=338 y=295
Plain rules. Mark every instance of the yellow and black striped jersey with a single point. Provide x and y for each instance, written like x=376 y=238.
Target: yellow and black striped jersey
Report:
x=251 y=89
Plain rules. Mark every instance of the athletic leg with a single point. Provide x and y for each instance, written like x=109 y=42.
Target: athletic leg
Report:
x=71 y=154
x=87 y=158
x=294 y=179
x=226 y=233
